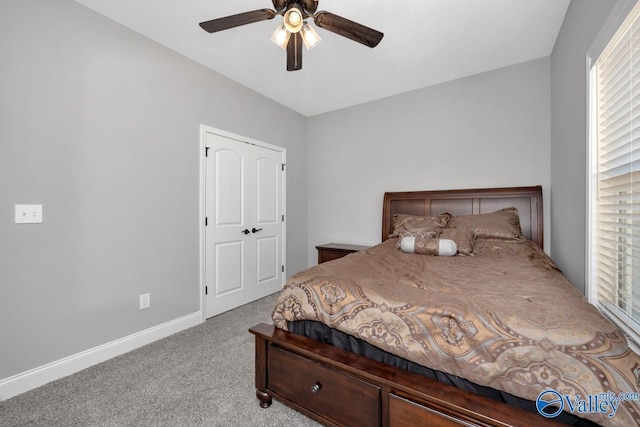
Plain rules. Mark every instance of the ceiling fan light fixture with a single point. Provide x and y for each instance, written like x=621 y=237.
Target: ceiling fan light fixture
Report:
x=281 y=37
x=293 y=19
x=310 y=36
x=294 y=31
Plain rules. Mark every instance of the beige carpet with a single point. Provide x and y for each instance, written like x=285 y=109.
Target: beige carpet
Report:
x=202 y=376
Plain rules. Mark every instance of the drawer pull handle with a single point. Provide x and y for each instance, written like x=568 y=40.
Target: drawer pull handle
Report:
x=316 y=388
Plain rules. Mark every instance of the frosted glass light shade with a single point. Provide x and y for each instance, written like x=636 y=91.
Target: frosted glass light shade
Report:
x=281 y=36
x=310 y=36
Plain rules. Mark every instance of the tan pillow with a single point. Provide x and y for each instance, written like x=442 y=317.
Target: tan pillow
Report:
x=502 y=224
x=463 y=239
x=423 y=224
x=499 y=247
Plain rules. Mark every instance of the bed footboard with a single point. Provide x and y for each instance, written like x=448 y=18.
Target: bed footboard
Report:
x=338 y=388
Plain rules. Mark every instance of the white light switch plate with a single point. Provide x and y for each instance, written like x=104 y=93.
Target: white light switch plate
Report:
x=28 y=214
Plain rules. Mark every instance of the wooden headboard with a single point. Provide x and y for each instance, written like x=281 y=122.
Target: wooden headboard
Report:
x=528 y=200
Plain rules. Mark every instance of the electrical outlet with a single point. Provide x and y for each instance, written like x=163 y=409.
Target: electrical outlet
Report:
x=145 y=301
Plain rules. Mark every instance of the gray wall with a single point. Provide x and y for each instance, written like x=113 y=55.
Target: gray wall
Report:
x=487 y=130
x=582 y=23
x=101 y=126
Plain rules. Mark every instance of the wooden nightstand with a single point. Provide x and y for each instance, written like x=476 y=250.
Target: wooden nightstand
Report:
x=330 y=251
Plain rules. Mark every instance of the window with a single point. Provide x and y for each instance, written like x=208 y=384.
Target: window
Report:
x=615 y=178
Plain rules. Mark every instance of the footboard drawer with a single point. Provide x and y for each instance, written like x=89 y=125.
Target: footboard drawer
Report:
x=338 y=388
x=405 y=413
x=328 y=392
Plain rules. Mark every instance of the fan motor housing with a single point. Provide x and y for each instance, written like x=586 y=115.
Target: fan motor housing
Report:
x=310 y=5
x=280 y=5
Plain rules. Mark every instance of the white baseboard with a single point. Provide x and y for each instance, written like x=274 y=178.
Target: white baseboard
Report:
x=39 y=376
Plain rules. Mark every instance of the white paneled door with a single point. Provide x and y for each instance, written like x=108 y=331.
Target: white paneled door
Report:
x=244 y=203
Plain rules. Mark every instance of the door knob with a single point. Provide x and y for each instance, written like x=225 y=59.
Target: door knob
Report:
x=245 y=231
x=255 y=230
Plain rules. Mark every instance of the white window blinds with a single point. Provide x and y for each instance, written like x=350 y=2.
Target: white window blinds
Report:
x=616 y=187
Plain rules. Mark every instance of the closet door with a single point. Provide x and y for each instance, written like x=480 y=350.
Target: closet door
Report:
x=267 y=215
x=244 y=230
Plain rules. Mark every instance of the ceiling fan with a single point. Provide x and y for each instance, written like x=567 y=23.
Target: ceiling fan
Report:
x=294 y=31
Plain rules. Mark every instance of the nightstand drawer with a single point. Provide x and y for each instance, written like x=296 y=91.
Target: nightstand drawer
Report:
x=320 y=389
x=331 y=251
x=327 y=255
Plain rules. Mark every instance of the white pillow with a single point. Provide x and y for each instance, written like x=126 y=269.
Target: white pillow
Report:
x=425 y=246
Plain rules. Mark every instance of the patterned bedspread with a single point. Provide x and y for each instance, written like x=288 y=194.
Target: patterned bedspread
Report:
x=505 y=318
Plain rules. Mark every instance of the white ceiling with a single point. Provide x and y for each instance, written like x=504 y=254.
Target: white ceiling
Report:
x=425 y=42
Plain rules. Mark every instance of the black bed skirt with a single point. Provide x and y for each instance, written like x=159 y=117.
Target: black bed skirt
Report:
x=321 y=332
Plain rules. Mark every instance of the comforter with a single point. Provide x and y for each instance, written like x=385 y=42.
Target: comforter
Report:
x=505 y=318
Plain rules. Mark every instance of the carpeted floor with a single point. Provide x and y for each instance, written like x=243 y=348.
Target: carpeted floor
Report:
x=202 y=376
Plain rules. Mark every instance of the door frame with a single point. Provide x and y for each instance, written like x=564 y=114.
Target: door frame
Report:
x=204 y=129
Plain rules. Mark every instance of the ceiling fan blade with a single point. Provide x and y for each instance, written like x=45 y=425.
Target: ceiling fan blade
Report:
x=349 y=29
x=294 y=52
x=233 y=21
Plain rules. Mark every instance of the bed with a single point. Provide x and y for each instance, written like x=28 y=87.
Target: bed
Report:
x=495 y=327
